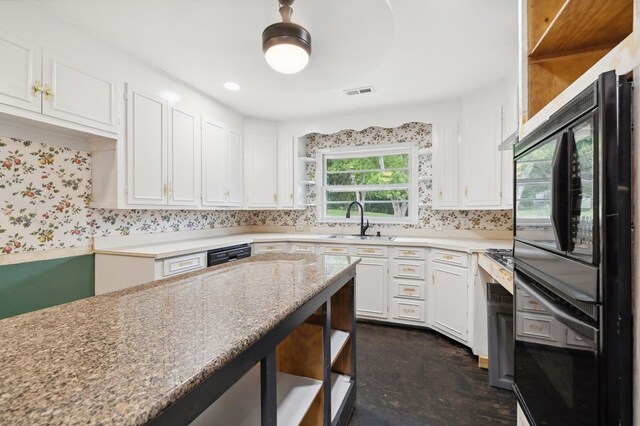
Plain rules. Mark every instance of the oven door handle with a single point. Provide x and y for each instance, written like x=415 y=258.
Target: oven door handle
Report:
x=558 y=313
x=560 y=193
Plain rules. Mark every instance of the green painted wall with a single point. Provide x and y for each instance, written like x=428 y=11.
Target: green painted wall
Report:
x=30 y=286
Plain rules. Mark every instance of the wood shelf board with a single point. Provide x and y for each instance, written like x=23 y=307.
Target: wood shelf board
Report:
x=578 y=25
x=300 y=353
x=548 y=78
x=540 y=13
x=340 y=385
x=240 y=405
x=338 y=340
x=307 y=159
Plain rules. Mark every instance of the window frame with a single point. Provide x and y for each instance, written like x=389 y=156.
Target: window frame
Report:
x=410 y=149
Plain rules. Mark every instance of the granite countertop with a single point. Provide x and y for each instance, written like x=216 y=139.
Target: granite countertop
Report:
x=123 y=357
x=177 y=248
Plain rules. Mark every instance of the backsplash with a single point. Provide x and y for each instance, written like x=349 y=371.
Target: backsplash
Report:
x=479 y=220
x=45 y=193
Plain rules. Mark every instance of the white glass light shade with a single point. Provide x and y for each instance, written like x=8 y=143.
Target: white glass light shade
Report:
x=287 y=58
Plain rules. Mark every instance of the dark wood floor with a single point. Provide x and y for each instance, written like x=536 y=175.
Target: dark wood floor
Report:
x=418 y=377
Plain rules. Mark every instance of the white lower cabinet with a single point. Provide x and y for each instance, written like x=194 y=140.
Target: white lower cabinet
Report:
x=447 y=297
x=114 y=272
x=371 y=288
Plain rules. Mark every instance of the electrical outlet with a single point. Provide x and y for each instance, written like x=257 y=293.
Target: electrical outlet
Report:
x=437 y=225
x=300 y=228
x=464 y=223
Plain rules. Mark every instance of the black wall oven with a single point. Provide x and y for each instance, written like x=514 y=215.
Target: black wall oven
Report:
x=572 y=252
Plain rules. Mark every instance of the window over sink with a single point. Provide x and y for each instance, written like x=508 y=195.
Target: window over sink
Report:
x=382 y=178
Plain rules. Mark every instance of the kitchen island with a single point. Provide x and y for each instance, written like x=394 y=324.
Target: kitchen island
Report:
x=163 y=352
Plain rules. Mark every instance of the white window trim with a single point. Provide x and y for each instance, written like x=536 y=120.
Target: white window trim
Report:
x=399 y=148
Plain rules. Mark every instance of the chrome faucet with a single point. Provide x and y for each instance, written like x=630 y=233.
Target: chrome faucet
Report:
x=363 y=227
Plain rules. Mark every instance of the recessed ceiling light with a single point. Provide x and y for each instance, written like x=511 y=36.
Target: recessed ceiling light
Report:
x=230 y=85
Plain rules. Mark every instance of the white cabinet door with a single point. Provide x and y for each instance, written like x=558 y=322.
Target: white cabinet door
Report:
x=20 y=71
x=146 y=149
x=214 y=163
x=371 y=288
x=285 y=172
x=261 y=171
x=183 y=156
x=235 y=159
x=445 y=167
x=75 y=94
x=447 y=296
x=481 y=160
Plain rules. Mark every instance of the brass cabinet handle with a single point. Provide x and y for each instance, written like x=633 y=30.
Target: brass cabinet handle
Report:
x=275 y=198
x=466 y=192
x=335 y=249
x=409 y=290
x=448 y=257
x=368 y=251
x=48 y=91
x=433 y=278
x=410 y=269
x=37 y=88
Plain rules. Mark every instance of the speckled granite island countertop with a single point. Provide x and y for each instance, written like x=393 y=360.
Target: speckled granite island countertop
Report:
x=123 y=357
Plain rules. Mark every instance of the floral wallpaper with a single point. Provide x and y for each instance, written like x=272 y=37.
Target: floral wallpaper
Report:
x=45 y=193
x=409 y=132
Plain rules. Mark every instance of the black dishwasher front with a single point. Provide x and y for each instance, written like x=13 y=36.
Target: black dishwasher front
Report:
x=228 y=254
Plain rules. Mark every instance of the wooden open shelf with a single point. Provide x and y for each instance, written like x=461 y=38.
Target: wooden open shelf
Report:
x=567 y=37
x=240 y=405
x=578 y=25
x=301 y=371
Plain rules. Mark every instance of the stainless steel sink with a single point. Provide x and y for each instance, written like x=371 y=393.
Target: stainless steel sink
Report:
x=362 y=237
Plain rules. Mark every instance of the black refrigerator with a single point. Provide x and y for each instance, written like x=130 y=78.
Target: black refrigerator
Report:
x=573 y=260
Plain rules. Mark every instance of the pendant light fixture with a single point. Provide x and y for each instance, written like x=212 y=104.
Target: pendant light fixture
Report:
x=286 y=46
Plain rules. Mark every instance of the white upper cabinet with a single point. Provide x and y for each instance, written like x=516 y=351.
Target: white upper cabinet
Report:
x=445 y=166
x=146 y=149
x=261 y=173
x=235 y=173
x=72 y=92
x=184 y=150
x=222 y=165
x=481 y=160
x=40 y=81
x=285 y=173
x=20 y=73
x=214 y=163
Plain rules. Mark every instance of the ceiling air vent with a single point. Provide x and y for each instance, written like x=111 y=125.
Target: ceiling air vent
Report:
x=358 y=91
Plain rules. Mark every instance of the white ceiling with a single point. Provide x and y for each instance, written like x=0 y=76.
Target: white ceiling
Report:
x=410 y=50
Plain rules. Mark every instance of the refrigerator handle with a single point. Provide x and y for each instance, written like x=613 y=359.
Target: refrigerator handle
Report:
x=560 y=193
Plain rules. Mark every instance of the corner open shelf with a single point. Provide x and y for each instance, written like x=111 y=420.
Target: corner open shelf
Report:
x=425 y=151
x=307 y=182
x=425 y=178
x=307 y=159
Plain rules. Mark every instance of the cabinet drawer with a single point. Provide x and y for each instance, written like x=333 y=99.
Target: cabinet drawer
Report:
x=270 y=248
x=411 y=289
x=303 y=248
x=407 y=310
x=371 y=251
x=409 y=253
x=333 y=249
x=408 y=269
x=181 y=264
x=536 y=327
x=451 y=257
x=526 y=303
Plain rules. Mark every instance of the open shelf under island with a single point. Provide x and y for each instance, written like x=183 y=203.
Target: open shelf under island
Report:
x=266 y=340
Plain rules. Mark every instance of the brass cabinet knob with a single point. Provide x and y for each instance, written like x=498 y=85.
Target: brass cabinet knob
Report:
x=48 y=91
x=37 y=88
